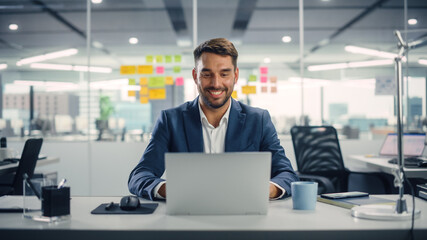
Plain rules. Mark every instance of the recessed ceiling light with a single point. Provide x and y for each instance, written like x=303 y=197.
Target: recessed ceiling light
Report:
x=133 y=40
x=13 y=27
x=96 y=1
x=267 y=60
x=3 y=66
x=412 y=21
x=286 y=39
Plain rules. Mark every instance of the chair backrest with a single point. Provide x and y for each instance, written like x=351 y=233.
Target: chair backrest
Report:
x=27 y=164
x=317 y=151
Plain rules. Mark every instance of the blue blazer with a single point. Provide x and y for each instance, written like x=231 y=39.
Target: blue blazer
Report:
x=180 y=130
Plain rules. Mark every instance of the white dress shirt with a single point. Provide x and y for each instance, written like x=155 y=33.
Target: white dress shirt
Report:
x=213 y=141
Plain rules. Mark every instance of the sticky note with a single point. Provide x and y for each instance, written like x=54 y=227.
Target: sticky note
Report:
x=143 y=91
x=263 y=70
x=159 y=58
x=160 y=70
x=264 y=89
x=169 y=80
x=143 y=81
x=156 y=82
x=263 y=79
x=273 y=89
x=159 y=93
x=234 y=94
x=168 y=59
x=179 y=81
x=273 y=79
x=252 y=78
x=131 y=93
x=149 y=59
x=132 y=81
x=143 y=100
x=177 y=58
x=127 y=69
x=248 y=89
x=145 y=69
x=176 y=69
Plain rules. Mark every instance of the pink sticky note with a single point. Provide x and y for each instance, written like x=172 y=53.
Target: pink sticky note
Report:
x=264 y=79
x=179 y=81
x=160 y=70
x=263 y=70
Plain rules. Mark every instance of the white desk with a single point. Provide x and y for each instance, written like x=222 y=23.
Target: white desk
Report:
x=281 y=222
x=381 y=164
x=9 y=168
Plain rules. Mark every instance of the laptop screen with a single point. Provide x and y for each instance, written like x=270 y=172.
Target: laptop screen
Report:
x=413 y=144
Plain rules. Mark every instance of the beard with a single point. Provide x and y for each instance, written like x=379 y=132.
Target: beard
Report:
x=205 y=99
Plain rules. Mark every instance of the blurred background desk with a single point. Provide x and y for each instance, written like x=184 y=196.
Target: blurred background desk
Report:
x=380 y=164
x=10 y=168
x=282 y=222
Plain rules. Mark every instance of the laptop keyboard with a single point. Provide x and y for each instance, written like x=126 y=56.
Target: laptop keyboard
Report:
x=411 y=162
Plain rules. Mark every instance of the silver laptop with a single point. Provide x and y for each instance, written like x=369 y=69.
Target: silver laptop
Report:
x=217 y=184
x=413 y=145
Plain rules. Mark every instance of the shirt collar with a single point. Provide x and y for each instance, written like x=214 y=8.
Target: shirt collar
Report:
x=205 y=121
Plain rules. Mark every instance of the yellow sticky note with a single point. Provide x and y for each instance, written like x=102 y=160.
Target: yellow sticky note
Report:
x=131 y=81
x=143 y=100
x=176 y=69
x=131 y=93
x=143 y=91
x=127 y=69
x=248 y=89
x=234 y=94
x=149 y=59
x=169 y=80
x=159 y=59
x=159 y=93
x=145 y=69
x=156 y=82
x=143 y=81
x=168 y=59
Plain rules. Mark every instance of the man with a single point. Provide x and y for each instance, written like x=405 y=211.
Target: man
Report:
x=212 y=123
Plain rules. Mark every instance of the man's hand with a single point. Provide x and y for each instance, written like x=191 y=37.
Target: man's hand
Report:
x=162 y=190
x=274 y=191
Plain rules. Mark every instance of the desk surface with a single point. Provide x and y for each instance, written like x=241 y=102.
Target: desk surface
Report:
x=281 y=222
x=9 y=168
x=381 y=164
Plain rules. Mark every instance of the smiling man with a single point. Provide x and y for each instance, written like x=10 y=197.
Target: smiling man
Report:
x=211 y=123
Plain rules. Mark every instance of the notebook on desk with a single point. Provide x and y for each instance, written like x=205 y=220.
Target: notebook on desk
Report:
x=217 y=184
x=413 y=145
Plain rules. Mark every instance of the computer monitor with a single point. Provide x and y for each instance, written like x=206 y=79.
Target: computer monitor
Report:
x=413 y=144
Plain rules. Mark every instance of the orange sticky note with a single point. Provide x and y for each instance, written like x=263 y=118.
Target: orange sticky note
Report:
x=131 y=93
x=143 y=100
x=264 y=89
x=273 y=89
x=127 y=69
x=248 y=89
x=159 y=93
x=143 y=91
x=143 y=81
x=273 y=79
x=169 y=80
x=145 y=69
x=234 y=94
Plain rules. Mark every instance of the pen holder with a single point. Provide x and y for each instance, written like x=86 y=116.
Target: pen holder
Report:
x=55 y=202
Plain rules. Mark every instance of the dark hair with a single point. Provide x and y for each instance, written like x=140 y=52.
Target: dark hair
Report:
x=220 y=46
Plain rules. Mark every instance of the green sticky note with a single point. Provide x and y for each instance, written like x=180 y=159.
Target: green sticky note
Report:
x=177 y=69
x=177 y=58
x=252 y=78
x=131 y=81
x=159 y=58
x=149 y=59
x=168 y=59
x=156 y=82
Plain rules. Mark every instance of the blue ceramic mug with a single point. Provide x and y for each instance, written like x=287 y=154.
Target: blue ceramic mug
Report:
x=304 y=195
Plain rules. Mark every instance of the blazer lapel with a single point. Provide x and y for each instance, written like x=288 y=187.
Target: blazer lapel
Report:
x=236 y=121
x=193 y=127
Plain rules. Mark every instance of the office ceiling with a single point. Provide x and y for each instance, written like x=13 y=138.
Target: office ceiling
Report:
x=166 y=27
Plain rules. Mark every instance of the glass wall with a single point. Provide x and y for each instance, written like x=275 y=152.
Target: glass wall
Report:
x=140 y=58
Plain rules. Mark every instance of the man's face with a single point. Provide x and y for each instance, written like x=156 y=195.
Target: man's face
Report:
x=215 y=77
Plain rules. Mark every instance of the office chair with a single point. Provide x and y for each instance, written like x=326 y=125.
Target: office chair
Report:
x=27 y=164
x=318 y=156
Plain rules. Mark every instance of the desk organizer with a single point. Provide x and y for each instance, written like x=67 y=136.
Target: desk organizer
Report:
x=55 y=202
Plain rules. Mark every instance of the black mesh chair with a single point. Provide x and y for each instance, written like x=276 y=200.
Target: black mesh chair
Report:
x=318 y=156
x=27 y=164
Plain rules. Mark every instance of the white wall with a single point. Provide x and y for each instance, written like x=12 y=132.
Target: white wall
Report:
x=107 y=172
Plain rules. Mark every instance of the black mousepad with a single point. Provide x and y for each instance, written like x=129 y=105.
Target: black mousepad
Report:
x=145 y=208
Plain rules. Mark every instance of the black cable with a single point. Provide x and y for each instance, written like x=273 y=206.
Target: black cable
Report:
x=413 y=205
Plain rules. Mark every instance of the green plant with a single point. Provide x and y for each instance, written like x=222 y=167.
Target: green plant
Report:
x=106 y=107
